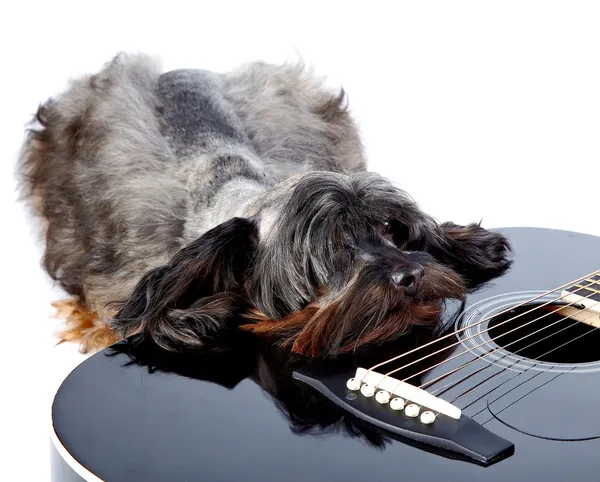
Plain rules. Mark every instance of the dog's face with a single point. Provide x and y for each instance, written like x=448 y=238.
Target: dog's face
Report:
x=329 y=263
x=341 y=262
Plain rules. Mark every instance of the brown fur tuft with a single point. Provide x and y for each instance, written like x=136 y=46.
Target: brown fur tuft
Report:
x=83 y=326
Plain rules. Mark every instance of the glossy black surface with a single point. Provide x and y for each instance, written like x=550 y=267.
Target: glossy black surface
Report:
x=137 y=413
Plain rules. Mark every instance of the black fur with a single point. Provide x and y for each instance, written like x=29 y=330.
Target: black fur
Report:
x=198 y=294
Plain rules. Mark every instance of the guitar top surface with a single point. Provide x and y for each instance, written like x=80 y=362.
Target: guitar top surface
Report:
x=236 y=411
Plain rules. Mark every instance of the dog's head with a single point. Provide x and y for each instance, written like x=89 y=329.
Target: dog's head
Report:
x=328 y=263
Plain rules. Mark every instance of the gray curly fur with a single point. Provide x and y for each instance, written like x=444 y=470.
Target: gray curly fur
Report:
x=121 y=169
x=171 y=201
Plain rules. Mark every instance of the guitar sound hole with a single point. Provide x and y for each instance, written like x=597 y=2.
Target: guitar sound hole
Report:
x=534 y=331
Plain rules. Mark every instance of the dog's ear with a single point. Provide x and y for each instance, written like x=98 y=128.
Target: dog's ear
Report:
x=197 y=293
x=477 y=254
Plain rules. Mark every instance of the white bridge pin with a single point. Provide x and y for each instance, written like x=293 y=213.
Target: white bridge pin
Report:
x=382 y=396
x=353 y=384
x=397 y=403
x=428 y=417
x=412 y=410
x=367 y=390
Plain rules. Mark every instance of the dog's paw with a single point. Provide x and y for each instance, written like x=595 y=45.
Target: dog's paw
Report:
x=481 y=254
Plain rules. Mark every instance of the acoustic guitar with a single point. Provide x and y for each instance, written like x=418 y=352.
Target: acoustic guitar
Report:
x=506 y=388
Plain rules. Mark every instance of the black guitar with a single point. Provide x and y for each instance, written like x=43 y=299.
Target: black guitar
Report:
x=504 y=390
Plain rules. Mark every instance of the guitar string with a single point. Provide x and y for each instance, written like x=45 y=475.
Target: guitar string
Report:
x=570 y=283
x=536 y=388
x=488 y=353
x=593 y=283
x=467 y=350
x=503 y=371
x=459 y=342
x=496 y=349
x=515 y=376
x=441 y=390
x=473 y=348
x=550 y=351
x=521 y=373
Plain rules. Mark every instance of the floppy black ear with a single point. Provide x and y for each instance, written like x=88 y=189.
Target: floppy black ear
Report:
x=198 y=293
x=477 y=254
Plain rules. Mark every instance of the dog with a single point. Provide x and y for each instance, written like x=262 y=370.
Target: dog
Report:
x=178 y=205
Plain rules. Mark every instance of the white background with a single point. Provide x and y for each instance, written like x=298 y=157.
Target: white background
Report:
x=479 y=109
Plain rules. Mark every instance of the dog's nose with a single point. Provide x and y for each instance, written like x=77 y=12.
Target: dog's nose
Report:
x=409 y=279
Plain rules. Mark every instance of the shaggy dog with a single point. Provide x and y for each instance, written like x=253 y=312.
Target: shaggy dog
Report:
x=179 y=205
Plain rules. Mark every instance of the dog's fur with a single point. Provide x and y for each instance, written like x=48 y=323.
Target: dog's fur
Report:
x=181 y=204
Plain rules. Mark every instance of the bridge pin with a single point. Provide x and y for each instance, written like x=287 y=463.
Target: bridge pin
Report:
x=428 y=417
x=382 y=396
x=367 y=390
x=353 y=384
x=412 y=410
x=397 y=403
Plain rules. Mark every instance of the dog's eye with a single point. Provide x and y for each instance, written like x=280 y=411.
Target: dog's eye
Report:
x=387 y=230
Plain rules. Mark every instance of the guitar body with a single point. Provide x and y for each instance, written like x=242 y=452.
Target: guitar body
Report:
x=245 y=410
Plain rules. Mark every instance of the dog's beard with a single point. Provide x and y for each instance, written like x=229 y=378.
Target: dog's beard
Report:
x=360 y=314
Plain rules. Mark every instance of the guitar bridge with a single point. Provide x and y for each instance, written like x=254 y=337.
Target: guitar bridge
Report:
x=452 y=433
